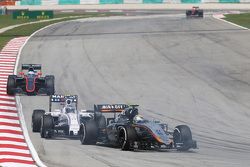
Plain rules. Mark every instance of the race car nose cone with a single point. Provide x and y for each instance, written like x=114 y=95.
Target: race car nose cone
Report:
x=75 y=132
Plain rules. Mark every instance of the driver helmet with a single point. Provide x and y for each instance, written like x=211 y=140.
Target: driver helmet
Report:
x=131 y=112
x=31 y=71
x=69 y=110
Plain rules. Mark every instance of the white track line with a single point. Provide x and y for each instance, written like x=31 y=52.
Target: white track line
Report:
x=10 y=128
x=3 y=62
x=6 y=70
x=3 y=83
x=13 y=143
x=26 y=134
x=7 y=102
x=20 y=111
x=7 y=97
x=11 y=164
x=7 y=54
x=8 y=108
x=219 y=17
x=8 y=114
x=2 y=92
x=11 y=135
x=9 y=121
x=7 y=65
x=7 y=57
x=15 y=150
x=16 y=157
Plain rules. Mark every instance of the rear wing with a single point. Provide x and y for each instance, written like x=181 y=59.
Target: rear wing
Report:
x=110 y=108
x=34 y=66
x=62 y=99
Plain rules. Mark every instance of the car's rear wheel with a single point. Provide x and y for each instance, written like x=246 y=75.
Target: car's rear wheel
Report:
x=47 y=126
x=88 y=132
x=11 y=85
x=182 y=137
x=66 y=130
x=102 y=122
x=200 y=13
x=36 y=120
x=50 y=84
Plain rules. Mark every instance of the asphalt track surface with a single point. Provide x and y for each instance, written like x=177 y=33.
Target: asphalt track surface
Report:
x=180 y=71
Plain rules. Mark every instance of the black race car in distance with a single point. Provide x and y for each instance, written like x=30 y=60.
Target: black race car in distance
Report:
x=131 y=131
x=194 y=12
x=30 y=81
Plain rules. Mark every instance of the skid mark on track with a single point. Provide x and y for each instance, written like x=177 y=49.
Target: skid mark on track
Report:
x=157 y=49
x=100 y=74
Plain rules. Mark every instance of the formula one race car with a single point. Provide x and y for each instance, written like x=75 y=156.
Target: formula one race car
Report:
x=31 y=83
x=194 y=12
x=131 y=131
x=64 y=121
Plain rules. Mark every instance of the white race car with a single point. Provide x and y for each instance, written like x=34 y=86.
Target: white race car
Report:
x=66 y=120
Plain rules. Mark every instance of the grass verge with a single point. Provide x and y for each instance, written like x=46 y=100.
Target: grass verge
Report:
x=240 y=19
x=6 y=20
x=27 y=30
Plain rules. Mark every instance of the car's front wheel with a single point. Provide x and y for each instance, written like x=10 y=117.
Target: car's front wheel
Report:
x=11 y=85
x=182 y=137
x=47 y=126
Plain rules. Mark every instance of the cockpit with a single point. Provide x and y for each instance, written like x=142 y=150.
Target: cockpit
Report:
x=70 y=110
x=139 y=119
x=31 y=72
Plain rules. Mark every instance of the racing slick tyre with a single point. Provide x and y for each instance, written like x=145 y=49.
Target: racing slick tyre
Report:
x=88 y=132
x=47 y=126
x=36 y=120
x=11 y=84
x=182 y=136
x=66 y=130
x=200 y=13
x=126 y=138
x=50 y=84
x=188 y=13
x=101 y=122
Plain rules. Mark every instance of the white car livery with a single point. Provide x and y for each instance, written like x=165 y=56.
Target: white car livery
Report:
x=64 y=120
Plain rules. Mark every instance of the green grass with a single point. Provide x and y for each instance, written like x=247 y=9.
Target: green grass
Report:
x=26 y=30
x=6 y=20
x=240 y=19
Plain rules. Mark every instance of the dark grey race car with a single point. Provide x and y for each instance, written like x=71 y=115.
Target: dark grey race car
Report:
x=131 y=131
